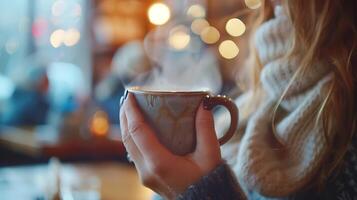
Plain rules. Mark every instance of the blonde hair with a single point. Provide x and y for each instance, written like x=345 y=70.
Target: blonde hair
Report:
x=322 y=29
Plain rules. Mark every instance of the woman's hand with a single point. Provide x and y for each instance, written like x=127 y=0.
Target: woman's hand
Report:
x=159 y=169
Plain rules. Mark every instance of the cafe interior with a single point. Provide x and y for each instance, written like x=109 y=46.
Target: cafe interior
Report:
x=64 y=64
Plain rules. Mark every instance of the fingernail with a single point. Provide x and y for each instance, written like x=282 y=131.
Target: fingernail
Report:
x=124 y=97
x=125 y=94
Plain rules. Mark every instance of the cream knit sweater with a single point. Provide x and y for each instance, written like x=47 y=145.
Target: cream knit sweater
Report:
x=261 y=164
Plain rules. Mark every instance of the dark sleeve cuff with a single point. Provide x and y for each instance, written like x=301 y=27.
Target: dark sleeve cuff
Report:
x=220 y=184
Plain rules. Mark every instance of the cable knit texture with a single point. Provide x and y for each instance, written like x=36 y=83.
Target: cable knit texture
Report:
x=276 y=166
x=279 y=164
x=218 y=185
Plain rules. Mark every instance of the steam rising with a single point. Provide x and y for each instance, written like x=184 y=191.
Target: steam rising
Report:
x=193 y=69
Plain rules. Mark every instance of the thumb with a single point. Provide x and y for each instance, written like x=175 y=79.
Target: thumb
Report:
x=207 y=142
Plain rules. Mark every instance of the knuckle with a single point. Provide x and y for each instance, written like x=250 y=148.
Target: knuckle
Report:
x=157 y=169
x=204 y=121
x=126 y=139
x=147 y=180
x=205 y=125
x=135 y=127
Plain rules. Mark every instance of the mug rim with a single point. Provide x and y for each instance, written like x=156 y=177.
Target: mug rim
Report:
x=137 y=89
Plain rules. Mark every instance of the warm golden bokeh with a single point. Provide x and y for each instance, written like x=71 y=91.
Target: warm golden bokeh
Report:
x=71 y=37
x=196 y=11
x=57 y=37
x=210 y=35
x=235 y=27
x=198 y=25
x=179 y=38
x=228 y=49
x=99 y=125
x=253 y=4
x=159 y=13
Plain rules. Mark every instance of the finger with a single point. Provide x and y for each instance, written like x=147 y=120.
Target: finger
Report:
x=144 y=172
x=123 y=123
x=130 y=146
x=206 y=135
x=141 y=133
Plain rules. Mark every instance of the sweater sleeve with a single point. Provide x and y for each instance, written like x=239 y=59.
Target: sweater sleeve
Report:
x=220 y=184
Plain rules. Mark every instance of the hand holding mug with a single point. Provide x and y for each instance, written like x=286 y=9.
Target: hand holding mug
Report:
x=159 y=168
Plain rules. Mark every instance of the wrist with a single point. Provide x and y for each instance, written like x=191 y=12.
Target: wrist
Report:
x=219 y=184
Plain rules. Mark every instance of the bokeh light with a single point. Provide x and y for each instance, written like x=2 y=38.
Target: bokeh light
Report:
x=99 y=124
x=228 y=49
x=179 y=37
x=235 y=27
x=77 y=10
x=23 y=24
x=196 y=11
x=198 y=25
x=253 y=4
x=11 y=46
x=57 y=8
x=210 y=35
x=159 y=13
x=39 y=27
x=71 y=37
x=57 y=38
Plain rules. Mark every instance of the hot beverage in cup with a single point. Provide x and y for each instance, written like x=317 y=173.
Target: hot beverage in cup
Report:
x=172 y=115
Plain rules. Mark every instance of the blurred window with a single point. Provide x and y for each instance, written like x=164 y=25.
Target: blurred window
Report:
x=36 y=35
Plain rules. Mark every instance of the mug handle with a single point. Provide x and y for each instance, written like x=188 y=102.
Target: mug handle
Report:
x=210 y=102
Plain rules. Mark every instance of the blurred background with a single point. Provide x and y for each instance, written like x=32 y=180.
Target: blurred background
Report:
x=64 y=64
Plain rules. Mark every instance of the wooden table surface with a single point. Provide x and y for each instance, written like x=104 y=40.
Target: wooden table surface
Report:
x=118 y=181
x=43 y=141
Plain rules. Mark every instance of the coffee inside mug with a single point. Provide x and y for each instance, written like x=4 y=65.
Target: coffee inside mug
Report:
x=172 y=115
